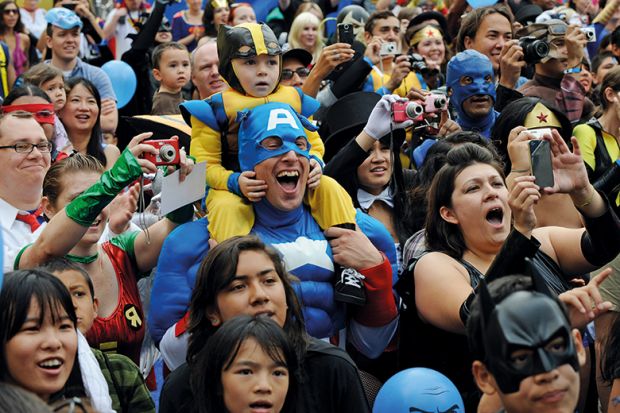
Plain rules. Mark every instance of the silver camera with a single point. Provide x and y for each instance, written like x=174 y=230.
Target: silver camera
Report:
x=389 y=49
x=590 y=34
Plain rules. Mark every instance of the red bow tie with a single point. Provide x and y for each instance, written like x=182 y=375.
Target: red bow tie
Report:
x=31 y=219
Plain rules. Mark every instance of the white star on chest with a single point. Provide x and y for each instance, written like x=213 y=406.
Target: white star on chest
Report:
x=305 y=251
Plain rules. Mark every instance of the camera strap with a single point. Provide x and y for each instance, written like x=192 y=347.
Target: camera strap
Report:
x=142 y=208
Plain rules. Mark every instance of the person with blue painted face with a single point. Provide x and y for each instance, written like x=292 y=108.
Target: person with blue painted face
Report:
x=471 y=84
x=273 y=144
x=532 y=367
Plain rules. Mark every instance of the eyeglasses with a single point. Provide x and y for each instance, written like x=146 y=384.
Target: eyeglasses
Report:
x=287 y=74
x=25 y=147
x=10 y=11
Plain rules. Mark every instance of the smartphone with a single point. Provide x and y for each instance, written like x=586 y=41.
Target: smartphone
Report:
x=540 y=155
x=70 y=6
x=345 y=33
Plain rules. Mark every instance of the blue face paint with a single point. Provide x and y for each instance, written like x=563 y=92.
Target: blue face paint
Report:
x=266 y=121
x=476 y=67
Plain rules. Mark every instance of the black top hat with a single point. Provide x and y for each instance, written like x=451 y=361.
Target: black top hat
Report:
x=527 y=13
x=346 y=118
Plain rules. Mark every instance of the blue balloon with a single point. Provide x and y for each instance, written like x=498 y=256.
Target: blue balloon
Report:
x=123 y=80
x=481 y=3
x=418 y=389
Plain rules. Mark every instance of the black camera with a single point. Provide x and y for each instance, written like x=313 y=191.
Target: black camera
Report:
x=418 y=65
x=534 y=50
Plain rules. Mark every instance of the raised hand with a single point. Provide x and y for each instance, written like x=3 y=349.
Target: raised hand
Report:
x=569 y=170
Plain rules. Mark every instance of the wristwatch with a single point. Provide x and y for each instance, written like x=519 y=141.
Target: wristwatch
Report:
x=576 y=69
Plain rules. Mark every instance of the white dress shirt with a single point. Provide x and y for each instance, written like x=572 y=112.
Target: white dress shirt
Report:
x=16 y=234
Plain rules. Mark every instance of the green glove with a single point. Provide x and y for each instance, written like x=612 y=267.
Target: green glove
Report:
x=85 y=208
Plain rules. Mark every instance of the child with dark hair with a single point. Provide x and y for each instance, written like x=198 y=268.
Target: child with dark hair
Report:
x=248 y=363
x=172 y=69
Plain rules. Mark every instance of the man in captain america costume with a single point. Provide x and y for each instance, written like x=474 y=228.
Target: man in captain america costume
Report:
x=471 y=85
x=273 y=143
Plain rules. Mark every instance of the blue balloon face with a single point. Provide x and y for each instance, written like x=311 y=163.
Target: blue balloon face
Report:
x=418 y=390
x=123 y=80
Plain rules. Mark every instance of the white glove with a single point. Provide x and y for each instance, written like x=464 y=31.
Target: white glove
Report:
x=380 y=118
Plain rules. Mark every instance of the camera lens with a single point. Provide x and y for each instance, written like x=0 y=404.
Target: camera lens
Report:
x=413 y=110
x=541 y=49
x=167 y=153
x=440 y=102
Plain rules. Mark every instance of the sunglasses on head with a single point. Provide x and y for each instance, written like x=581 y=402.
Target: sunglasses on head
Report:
x=287 y=74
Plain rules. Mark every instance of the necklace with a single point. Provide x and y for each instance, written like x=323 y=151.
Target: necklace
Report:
x=82 y=260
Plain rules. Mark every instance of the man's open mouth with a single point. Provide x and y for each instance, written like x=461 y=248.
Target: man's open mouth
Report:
x=288 y=179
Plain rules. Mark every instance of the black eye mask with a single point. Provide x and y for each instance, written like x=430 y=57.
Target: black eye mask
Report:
x=530 y=321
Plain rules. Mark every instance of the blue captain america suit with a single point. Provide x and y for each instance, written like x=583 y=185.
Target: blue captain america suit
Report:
x=294 y=233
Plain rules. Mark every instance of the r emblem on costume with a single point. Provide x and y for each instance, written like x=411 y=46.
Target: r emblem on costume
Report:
x=134 y=321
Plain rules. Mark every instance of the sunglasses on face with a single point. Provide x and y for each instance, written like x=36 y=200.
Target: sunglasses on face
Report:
x=7 y=12
x=287 y=74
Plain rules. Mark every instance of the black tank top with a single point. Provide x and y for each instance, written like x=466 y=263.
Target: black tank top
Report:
x=424 y=345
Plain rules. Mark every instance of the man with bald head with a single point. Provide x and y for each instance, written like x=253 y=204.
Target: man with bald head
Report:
x=205 y=74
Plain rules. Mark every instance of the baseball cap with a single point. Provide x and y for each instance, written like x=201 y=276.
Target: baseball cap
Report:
x=64 y=18
x=302 y=55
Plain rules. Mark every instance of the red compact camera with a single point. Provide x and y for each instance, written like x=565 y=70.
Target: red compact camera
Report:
x=167 y=152
x=401 y=111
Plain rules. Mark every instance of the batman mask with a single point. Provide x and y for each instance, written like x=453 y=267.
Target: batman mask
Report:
x=270 y=120
x=526 y=334
x=241 y=42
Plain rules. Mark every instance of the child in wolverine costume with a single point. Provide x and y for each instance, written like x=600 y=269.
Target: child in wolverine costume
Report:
x=251 y=62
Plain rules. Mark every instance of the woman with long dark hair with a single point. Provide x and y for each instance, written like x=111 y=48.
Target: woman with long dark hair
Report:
x=476 y=227
x=12 y=33
x=42 y=351
x=243 y=276
x=82 y=119
x=216 y=13
x=534 y=113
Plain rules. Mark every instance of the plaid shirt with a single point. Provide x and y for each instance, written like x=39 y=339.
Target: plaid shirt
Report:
x=126 y=384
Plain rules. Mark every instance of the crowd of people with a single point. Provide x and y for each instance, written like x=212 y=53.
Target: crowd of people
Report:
x=390 y=185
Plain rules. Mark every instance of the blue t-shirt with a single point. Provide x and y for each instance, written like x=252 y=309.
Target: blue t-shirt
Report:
x=181 y=29
x=96 y=75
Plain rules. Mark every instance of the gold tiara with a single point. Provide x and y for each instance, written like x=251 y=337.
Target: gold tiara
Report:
x=216 y=4
x=428 y=32
x=541 y=117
